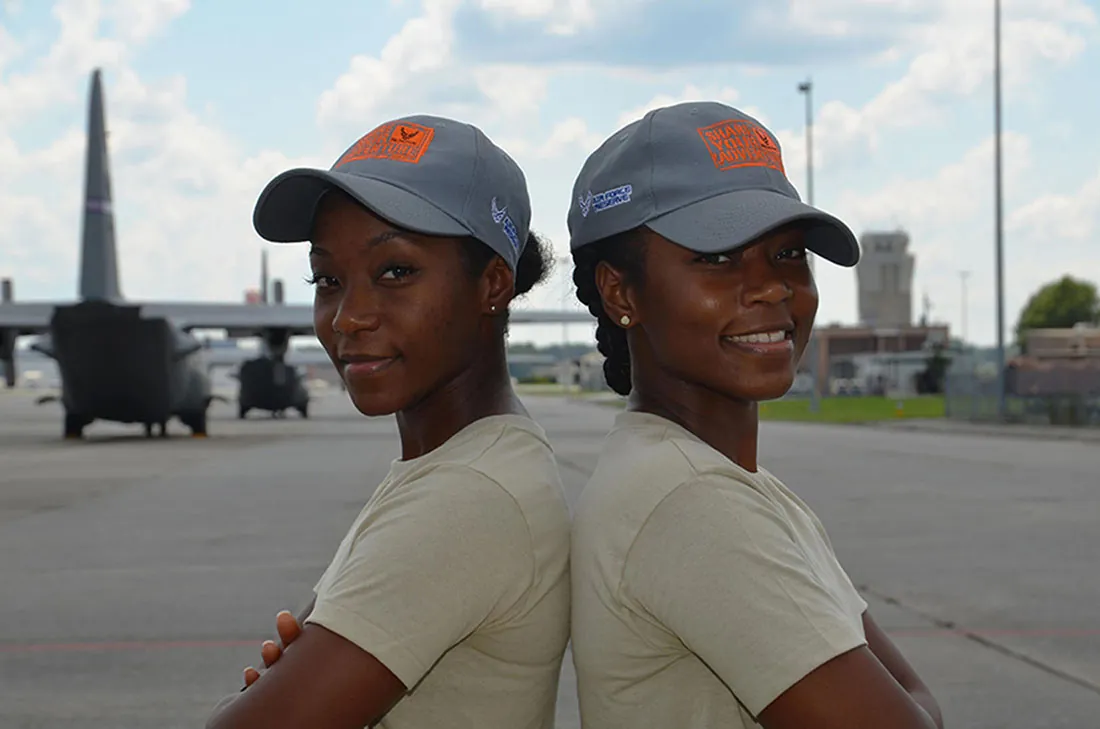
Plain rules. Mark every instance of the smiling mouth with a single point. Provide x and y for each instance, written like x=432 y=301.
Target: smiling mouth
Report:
x=780 y=341
x=365 y=366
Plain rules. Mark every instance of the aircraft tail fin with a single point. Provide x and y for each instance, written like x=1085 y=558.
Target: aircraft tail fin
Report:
x=98 y=257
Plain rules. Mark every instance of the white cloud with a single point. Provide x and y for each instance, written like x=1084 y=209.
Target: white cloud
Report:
x=564 y=17
x=183 y=189
x=1073 y=218
x=955 y=194
x=954 y=60
x=421 y=47
x=691 y=92
x=139 y=20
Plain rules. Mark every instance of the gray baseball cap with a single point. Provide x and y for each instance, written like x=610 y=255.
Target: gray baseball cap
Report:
x=427 y=174
x=702 y=174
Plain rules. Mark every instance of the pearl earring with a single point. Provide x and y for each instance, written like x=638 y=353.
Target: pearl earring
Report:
x=625 y=320
x=493 y=308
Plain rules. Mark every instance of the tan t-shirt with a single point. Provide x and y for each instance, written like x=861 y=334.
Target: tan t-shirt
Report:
x=455 y=576
x=701 y=591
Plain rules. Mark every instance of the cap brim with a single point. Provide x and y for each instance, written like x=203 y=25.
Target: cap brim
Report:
x=286 y=207
x=733 y=219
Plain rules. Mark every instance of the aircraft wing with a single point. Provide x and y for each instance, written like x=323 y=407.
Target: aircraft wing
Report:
x=242 y=320
x=30 y=318
x=239 y=320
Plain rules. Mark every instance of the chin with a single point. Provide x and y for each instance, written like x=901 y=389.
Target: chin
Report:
x=764 y=388
x=375 y=403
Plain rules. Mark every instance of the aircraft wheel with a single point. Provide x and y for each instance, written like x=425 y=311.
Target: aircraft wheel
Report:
x=242 y=411
x=74 y=426
x=148 y=430
x=304 y=410
x=197 y=423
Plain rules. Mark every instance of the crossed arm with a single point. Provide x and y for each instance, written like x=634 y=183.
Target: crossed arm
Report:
x=867 y=688
x=326 y=681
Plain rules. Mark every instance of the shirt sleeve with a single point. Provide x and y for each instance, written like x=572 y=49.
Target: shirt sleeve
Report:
x=433 y=561
x=719 y=566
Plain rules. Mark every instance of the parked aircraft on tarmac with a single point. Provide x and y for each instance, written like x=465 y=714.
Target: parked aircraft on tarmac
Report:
x=138 y=362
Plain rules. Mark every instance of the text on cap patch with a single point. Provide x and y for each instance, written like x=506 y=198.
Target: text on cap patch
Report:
x=738 y=143
x=399 y=141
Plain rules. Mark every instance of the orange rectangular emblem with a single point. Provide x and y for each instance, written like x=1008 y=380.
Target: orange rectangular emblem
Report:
x=739 y=143
x=400 y=141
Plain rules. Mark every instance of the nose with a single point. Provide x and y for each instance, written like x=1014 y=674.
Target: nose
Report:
x=766 y=285
x=358 y=310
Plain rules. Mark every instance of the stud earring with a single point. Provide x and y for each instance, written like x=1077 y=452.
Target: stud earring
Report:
x=493 y=308
x=625 y=320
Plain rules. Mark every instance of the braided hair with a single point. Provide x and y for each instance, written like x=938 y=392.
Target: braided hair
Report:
x=625 y=252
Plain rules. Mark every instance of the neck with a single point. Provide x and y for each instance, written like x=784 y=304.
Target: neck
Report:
x=482 y=389
x=729 y=425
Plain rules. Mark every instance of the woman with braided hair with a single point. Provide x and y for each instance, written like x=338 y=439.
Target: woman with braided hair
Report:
x=705 y=593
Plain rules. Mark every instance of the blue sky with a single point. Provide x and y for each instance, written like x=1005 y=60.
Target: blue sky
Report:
x=207 y=101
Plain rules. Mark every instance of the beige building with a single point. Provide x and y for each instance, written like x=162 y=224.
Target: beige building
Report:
x=884 y=277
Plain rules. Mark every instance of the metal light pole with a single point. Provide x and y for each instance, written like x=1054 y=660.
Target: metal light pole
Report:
x=564 y=307
x=963 y=275
x=807 y=88
x=999 y=204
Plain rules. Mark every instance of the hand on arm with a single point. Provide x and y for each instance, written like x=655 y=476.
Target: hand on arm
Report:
x=288 y=628
x=324 y=681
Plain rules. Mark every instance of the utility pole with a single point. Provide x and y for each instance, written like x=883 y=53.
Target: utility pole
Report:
x=963 y=276
x=999 y=204
x=807 y=88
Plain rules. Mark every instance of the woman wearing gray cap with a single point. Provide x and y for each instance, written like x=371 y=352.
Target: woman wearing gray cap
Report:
x=447 y=603
x=705 y=593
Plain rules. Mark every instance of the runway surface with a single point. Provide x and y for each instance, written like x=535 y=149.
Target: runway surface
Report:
x=138 y=577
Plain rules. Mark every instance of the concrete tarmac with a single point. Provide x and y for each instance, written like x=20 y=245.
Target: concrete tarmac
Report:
x=138 y=577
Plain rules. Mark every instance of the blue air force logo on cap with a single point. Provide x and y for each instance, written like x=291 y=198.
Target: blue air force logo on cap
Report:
x=501 y=218
x=604 y=200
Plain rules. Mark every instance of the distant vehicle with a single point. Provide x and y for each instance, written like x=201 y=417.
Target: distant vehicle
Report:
x=267 y=384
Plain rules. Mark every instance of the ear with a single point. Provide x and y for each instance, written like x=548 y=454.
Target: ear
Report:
x=498 y=286
x=617 y=295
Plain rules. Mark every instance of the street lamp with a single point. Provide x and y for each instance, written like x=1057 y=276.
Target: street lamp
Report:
x=999 y=202
x=807 y=87
x=565 y=262
x=963 y=276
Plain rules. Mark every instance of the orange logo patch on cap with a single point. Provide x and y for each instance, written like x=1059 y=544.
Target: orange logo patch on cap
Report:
x=739 y=143
x=400 y=141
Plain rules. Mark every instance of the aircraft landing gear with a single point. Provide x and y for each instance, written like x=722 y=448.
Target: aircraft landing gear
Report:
x=74 y=426
x=304 y=410
x=196 y=422
x=242 y=411
x=163 y=429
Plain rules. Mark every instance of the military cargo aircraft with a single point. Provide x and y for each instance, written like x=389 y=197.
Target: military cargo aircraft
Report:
x=138 y=362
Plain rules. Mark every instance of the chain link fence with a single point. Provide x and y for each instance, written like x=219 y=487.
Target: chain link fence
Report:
x=1055 y=396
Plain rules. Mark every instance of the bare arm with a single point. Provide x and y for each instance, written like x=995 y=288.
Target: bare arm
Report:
x=890 y=657
x=852 y=691
x=322 y=681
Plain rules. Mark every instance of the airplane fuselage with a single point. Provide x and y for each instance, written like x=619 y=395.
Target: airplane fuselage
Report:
x=119 y=366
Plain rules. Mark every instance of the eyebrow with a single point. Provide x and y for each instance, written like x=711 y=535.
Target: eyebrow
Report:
x=315 y=250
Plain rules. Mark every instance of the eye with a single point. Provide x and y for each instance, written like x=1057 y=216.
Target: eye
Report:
x=396 y=272
x=796 y=253
x=321 y=281
x=713 y=259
